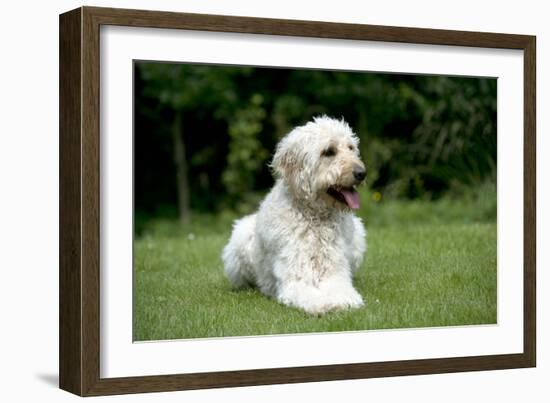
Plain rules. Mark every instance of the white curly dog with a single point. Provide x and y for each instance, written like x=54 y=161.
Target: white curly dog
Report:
x=304 y=244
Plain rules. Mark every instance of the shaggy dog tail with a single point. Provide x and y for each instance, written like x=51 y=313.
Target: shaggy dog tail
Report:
x=237 y=255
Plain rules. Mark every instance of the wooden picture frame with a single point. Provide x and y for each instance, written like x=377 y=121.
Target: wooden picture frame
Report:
x=79 y=279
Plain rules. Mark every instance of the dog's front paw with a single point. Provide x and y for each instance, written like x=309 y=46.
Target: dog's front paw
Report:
x=320 y=307
x=320 y=300
x=342 y=296
x=335 y=301
x=307 y=298
x=349 y=299
x=354 y=301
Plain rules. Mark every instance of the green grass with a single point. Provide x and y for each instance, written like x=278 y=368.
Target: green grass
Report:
x=428 y=264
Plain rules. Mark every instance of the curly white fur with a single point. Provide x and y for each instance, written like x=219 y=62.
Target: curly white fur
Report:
x=303 y=245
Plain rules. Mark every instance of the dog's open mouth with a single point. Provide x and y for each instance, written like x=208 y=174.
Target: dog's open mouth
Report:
x=348 y=196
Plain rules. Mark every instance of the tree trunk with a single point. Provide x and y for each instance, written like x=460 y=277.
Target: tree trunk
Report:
x=182 y=180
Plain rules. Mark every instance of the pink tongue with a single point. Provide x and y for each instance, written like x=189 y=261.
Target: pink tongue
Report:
x=352 y=198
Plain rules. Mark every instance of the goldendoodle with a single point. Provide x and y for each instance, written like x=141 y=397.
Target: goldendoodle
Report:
x=304 y=243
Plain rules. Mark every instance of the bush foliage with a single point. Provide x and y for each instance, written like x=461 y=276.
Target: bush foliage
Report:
x=421 y=136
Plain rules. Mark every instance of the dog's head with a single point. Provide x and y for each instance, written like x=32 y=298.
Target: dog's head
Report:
x=320 y=163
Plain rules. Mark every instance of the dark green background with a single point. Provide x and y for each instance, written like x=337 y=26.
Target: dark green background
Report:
x=421 y=136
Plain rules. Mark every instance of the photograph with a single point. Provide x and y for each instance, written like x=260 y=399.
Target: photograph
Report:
x=251 y=201
x=278 y=200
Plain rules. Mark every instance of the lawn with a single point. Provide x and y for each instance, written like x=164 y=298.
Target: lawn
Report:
x=428 y=264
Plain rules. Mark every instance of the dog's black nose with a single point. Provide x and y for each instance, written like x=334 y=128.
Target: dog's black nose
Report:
x=359 y=173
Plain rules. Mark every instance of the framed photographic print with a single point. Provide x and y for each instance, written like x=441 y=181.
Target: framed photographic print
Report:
x=249 y=201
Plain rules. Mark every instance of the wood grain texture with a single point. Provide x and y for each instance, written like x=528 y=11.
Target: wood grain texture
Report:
x=530 y=203
x=160 y=383
x=316 y=29
x=80 y=200
x=90 y=201
x=70 y=275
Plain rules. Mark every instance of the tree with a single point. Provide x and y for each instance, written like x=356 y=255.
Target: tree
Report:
x=420 y=135
x=184 y=88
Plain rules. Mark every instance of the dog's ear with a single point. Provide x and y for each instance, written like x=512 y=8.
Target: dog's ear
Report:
x=290 y=163
x=284 y=161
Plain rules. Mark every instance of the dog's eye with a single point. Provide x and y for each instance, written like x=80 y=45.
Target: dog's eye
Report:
x=329 y=152
x=350 y=147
